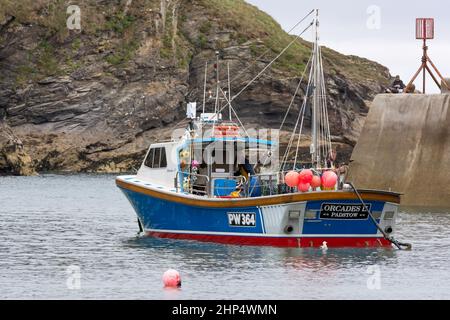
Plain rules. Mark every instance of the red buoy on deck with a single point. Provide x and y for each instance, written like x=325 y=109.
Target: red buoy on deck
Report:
x=291 y=179
x=306 y=176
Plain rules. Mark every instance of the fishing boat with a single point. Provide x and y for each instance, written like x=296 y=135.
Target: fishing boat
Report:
x=205 y=184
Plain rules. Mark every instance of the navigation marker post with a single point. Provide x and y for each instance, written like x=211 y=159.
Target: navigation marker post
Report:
x=425 y=31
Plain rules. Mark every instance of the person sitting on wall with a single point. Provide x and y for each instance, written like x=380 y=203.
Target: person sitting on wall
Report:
x=397 y=86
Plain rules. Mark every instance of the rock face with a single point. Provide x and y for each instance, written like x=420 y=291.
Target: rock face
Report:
x=93 y=100
x=405 y=147
x=13 y=159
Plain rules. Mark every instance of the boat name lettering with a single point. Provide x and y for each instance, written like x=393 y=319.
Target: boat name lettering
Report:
x=344 y=212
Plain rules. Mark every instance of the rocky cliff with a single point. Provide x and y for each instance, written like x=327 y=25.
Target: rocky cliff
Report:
x=93 y=100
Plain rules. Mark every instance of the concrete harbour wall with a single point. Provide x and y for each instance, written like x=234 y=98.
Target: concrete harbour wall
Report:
x=405 y=147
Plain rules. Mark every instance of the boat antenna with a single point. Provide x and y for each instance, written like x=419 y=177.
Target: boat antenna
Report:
x=216 y=106
x=204 y=86
x=229 y=90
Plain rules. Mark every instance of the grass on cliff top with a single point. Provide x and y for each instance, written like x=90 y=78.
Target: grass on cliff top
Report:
x=253 y=24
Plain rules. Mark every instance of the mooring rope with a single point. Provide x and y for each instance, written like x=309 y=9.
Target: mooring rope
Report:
x=399 y=245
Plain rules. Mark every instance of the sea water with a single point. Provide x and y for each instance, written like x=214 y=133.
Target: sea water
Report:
x=74 y=237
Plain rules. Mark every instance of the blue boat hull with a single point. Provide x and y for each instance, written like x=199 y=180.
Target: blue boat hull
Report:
x=292 y=224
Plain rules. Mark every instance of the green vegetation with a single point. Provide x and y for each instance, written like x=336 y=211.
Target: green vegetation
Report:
x=206 y=26
x=47 y=63
x=25 y=72
x=76 y=44
x=251 y=23
x=127 y=43
x=202 y=41
x=111 y=30
x=22 y=10
x=123 y=53
x=119 y=23
x=40 y=63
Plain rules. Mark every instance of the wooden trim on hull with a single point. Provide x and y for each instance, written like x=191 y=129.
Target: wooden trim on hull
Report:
x=263 y=201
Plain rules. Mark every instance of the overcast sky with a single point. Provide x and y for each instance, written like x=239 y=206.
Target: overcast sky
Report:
x=380 y=30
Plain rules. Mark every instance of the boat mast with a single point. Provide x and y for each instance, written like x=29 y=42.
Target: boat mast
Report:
x=315 y=152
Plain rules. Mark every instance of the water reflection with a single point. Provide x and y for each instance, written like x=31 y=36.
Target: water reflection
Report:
x=219 y=256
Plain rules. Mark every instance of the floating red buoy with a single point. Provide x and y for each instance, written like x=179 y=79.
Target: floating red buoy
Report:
x=291 y=179
x=171 y=278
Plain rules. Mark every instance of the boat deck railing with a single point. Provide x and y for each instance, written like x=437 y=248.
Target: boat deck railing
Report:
x=266 y=184
x=197 y=184
x=257 y=185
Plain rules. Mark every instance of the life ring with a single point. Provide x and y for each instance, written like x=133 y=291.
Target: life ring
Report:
x=226 y=131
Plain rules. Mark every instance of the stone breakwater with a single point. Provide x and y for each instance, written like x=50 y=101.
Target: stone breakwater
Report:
x=405 y=147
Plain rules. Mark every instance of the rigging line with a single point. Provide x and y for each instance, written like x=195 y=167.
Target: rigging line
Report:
x=295 y=94
x=237 y=117
x=299 y=138
x=326 y=147
x=288 y=149
x=291 y=140
x=184 y=120
x=269 y=49
x=305 y=100
x=254 y=79
x=326 y=103
x=324 y=140
x=276 y=58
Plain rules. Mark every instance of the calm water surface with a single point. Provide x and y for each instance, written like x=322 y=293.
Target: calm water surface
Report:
x=51 y=222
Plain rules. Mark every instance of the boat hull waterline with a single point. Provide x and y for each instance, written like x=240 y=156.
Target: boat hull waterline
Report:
x=292 y=220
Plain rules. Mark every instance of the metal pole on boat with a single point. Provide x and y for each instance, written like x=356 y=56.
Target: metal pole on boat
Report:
x=398 y=244
x=229 y=90
x=204 y=86
x=216 y=106
x=315 y=93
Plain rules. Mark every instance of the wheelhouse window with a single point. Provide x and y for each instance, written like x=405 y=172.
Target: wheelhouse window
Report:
x=156 y=158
